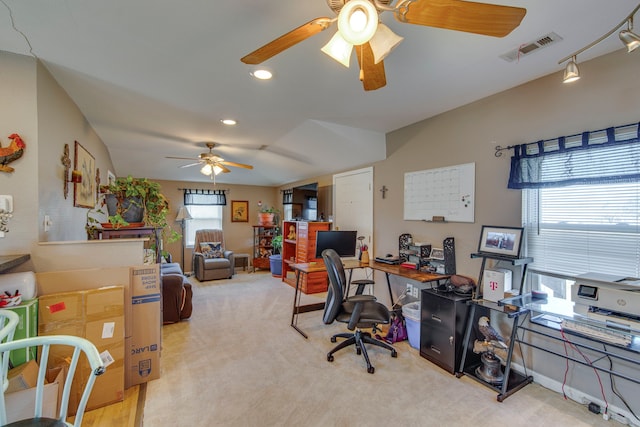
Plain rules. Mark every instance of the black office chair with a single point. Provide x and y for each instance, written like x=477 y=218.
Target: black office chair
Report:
x=358 y=311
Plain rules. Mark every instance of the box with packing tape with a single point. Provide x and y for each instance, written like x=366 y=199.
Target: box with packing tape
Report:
x=142 y=305
x=97 y=315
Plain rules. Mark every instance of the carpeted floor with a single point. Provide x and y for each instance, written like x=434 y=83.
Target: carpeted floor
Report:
x=238 y=362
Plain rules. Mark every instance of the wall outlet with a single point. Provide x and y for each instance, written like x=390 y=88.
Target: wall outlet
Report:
x=415 y=292
x=409 y=289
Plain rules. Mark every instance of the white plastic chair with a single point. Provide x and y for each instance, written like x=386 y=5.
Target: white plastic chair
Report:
x=45 y=342
x=8 y=323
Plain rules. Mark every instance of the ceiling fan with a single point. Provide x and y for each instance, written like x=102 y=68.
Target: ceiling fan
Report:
x=359 y=26
x=212 y=163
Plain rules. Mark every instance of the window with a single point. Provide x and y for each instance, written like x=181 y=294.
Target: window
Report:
x=581 y=204
x=202 y=216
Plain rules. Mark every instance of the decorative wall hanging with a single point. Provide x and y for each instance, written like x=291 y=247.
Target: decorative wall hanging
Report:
x=84 y=195
x=239 y=211
x=13 y=152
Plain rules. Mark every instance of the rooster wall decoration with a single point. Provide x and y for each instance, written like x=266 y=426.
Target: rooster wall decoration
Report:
x=13 y=152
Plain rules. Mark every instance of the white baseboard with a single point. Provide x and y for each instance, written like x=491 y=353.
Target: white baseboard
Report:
x=620 y=415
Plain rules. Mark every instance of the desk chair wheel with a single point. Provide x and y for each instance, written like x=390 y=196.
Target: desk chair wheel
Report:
x=334 y=339
x=371 y=369
x=330 y=357
x=394 y=353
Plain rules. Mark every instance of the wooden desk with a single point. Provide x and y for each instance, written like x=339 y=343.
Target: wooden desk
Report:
x=397 y=270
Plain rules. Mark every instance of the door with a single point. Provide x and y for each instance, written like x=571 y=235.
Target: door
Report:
x=353 y=207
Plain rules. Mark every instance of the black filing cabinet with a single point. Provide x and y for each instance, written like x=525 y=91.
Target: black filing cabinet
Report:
x=443 y=321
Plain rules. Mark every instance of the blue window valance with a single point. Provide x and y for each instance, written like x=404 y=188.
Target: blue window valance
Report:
x=597 y=157
x=204 y=197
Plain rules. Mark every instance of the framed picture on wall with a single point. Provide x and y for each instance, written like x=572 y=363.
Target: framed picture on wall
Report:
x=239 y=211
x=500 y=240
x=84 y=192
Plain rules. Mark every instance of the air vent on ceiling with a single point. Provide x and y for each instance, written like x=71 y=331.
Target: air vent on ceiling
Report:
x=531 y=47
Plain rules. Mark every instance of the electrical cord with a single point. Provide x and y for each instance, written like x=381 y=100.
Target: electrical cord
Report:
x=606 y=407
x=614 y=388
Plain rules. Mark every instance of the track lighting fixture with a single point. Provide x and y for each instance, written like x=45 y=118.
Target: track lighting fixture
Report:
x=571 y=72
x=629 y=38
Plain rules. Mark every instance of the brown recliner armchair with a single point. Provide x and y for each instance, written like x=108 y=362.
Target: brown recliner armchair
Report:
x=205 y=268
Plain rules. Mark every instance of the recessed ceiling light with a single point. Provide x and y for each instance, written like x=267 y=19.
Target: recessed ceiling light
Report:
x=229 y=122
x=262 y=74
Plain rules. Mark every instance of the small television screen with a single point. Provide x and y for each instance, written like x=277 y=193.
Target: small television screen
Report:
x=343 y=242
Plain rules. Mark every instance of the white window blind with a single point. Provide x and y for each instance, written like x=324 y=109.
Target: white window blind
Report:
x=584 y=228
x=202 y=217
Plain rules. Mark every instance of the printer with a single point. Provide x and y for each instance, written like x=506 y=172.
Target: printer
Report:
x=612 y=300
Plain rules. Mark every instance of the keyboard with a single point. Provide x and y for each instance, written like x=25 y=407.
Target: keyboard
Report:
x=602 y=334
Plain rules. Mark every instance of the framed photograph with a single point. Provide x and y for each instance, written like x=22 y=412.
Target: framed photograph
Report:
x=239 y=211
x=111 y=177
x=437 y=253
x=500 y=240
x=84 y=192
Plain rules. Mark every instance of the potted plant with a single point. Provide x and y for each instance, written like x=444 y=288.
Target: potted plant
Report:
x=266 y=215
x=275 y=260
x=127 y=195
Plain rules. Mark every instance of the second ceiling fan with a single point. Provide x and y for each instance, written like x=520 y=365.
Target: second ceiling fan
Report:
x=212 y=164
x=359 y=25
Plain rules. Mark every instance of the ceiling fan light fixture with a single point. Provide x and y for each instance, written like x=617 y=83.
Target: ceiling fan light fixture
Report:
x=358 y=21
x=630 y=39
x=571 y=72
x=339 y=49
x=209 y=169
x=383 y=42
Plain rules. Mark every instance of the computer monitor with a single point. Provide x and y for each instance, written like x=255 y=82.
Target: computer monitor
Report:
x=343 y=242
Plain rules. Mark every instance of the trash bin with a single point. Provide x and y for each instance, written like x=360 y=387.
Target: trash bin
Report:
x=411 y=313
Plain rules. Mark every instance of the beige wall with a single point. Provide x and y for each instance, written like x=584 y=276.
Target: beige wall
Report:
x=238 y=235
x=542 y=109
x=18 y=114
x=60 y=122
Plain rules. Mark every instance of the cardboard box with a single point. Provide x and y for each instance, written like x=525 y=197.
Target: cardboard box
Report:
x=144 y=343
x=97 y=315
x=142 y=295
x=495 y=283
x=20 y=404
x=23 y=377
x=27 y=328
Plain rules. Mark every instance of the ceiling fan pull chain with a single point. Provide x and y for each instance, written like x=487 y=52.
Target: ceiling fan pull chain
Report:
x=361 y=68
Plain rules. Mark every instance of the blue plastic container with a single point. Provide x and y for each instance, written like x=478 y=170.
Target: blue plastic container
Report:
x=411 y=313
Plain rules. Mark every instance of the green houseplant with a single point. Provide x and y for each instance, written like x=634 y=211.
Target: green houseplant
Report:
x=127 y=194
x=276 y=243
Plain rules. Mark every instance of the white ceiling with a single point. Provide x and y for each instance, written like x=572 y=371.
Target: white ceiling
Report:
x=154 y=78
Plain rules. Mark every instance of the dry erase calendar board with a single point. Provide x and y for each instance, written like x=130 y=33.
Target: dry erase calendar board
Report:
x=448 y=192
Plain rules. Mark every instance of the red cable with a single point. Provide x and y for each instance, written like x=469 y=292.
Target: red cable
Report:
x=606 y=404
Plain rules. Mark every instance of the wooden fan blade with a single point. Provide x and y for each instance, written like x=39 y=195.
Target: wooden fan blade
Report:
x=224 y=169
x=191 y=164
x=238 y=165
x=371 y=74
x=288 y=40
x=471 y=17
x=181 y=158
